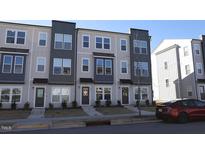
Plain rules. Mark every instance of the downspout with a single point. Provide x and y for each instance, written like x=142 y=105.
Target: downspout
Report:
x=75 y=63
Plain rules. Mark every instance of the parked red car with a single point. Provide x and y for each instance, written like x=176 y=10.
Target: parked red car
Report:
x=181 y=110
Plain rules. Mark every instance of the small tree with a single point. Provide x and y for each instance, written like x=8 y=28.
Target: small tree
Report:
x=108 y=103
x=74 y=104
x=26 y=106
x=137 y=103
x=51 y=106
x=64 y=104
x=97 y=103
x=13 y=105
x=118 y=102
x=147 y=102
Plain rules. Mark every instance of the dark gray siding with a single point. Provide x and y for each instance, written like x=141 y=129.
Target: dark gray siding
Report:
x=203 y=49
x=137 y=34
x=11 y=77
x=63 y=28
x=103 y=79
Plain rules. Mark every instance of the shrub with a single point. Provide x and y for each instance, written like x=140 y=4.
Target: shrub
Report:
x=74 y=104
x=97 y=103
x=137 y=103
x=119 y=103
x=26 y=106
x=0 y=105
x=108 y=103
x=147 y=102
x=50 y=106
x=13 y=106
x=64 y=104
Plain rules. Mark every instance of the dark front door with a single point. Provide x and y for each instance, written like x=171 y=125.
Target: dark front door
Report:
x=40 y=92
x=125 y=95
x=85 y=95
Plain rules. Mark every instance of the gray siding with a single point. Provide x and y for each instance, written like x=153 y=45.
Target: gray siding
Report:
x=63 y=28
x=140 y=35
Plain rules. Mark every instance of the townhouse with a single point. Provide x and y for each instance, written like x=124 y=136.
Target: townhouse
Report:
x=178 y=67
x=61 y=63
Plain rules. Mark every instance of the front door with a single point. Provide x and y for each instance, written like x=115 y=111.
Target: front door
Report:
x=125 y=95
x=40 y=93
x=85 y=95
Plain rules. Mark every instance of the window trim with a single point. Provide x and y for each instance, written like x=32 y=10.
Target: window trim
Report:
x=121 y=61
x=141 y=87
x=121 y=45
x=21 y=65
x=15 y=38
x=10 y=95
x=63 y=42
x=102 y=66
x=37 y=64
x=103 y=92
x=140 y=47
x=103 y=42
x=39 y=34
x=4 y=64
x=186 y=69
x=83 y=41
x=63 y=67
x=167 y=83
x=107 y=67
x=197 y=68
x=141 y=74
x=85 y=58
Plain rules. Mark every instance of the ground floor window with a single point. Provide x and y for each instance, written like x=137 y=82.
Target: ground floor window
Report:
x=60 y=95
x=10 y=94
x=103 y=93
x=141 y=93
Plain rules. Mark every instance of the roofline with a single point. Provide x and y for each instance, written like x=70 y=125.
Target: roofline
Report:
x=139 y=29
x=64 y=22
x=168 y=48
x=97 y=30
x=22 y=24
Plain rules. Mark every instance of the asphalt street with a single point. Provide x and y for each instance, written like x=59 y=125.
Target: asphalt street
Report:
x=140 y=128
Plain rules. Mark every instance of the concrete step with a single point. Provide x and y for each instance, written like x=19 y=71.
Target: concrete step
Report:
x=91 y=111
x=37 y=113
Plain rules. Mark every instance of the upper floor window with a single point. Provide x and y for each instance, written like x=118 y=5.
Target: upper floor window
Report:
x=85 y=65
x=86 y=41
x=108 y=67
x=18 y=64
x=124 y=67
x=99 y=66
x=199 y=68
x=61 y=66
x=40 y=64
x=102 y=43
x=7 y=64
x=63 y=41
x=140 y=47
x=186 y=51
x=196 y=48
x=187 y=69
x=15 y=37
x=141 y=69
x=165 y=65
x=123 y=45
x=42 y=39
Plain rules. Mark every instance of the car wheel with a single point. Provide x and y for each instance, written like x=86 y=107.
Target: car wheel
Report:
x=183 y=118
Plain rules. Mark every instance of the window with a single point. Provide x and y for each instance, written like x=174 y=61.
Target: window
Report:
x=123 y=45
x=140 y=47
x=187 y=69
x=189 y=91
x=18 y=64
x=124 y=67
x=86 y=41
x=199 y=68
x=186 y=51
x=165 y=65
x=42 y=39
x=102 y=43
x=61 y=66
x=63 y=41
x=41 y=62
x=99 y=42
x=108 y=67
x=7 y=64
x=196 y=48
x=106 y=43
x=103 y=93
x=141 y=69
x=60 y=95
x=141 y=93
x=167 y=82
x=15 y=37
x=99 y=66
x=8 y=95
x=85 y=65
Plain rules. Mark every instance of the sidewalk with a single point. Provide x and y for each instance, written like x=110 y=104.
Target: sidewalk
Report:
x=69 y=122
